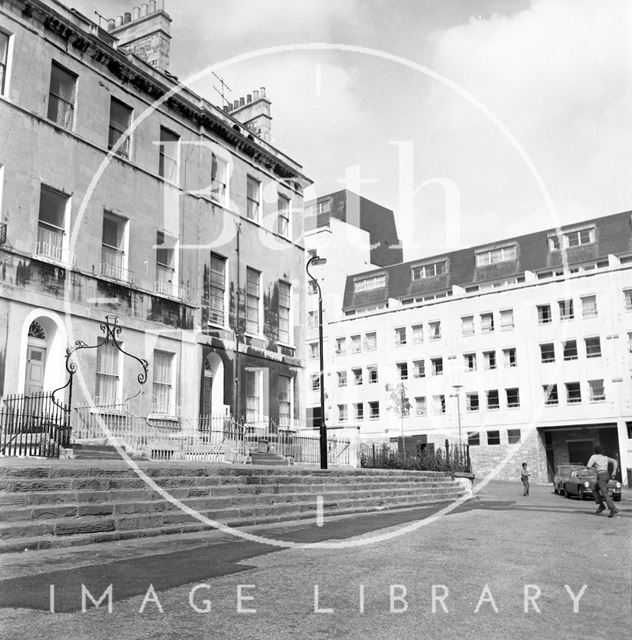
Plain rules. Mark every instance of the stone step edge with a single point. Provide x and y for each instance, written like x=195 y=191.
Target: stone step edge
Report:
x=39 y=543
x=113 y=522
x=236 y=500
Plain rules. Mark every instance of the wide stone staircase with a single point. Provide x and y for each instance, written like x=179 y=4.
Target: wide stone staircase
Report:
x=60 y=503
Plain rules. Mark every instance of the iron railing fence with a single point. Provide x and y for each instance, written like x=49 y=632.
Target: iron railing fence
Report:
x=452 y=457
x=206 y=438
x=34 y=425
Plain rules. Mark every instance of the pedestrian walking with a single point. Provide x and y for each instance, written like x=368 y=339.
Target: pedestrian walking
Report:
x=524 y=478
x=599 y=462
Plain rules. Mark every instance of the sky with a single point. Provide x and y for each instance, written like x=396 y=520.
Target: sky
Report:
x=473 y=120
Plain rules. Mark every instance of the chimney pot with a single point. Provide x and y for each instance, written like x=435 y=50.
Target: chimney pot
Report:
x=249 y=98
x=143 y=9
x=235 y=104
x=255 y=95
x=127 y=17
x=135 y=13
x=152 y=6
x=262 y=92
x=111 y=24
x=119 y=21
x=160 y=5
x=242 y=102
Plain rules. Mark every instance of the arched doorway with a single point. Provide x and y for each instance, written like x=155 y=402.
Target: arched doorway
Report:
x=212 y=401
x=36 y=352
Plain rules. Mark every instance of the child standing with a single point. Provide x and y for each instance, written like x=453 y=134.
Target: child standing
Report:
x=524 y=477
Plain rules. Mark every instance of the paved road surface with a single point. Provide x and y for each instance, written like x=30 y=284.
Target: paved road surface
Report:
x=478 y=562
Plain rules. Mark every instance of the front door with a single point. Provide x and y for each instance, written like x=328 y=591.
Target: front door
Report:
x=35 y=364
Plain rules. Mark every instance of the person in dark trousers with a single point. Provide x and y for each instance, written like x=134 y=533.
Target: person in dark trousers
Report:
x=599 y=462
x=524 y=478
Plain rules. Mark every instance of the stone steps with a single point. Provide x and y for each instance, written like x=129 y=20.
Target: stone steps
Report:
x=60 y=503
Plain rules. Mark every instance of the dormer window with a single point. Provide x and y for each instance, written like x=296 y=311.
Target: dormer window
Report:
x=494 y=256
x=571 y=239
x=368 y=284
x=424 y=271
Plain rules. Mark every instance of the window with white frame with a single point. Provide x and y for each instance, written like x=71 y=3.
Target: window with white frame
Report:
x=567 y=310
x=513 y=436
x=51 y=226
x=438 y=404
x=374 y=410
x=506 y=319
x=571 y=239
x=489 y=359
x=402 y=370
x=356 y=344
x=431 y=270
x=253 y=301
x=283 y=216
x=217 y=293
x=509 y=357
x=254 y=396
x=253 y=198
x=593 y=347
x=573 y=392
x=286 y=401
x=114 y=247
x=487 y=322
x=589 y=306
x=400 y=335
x=547 y=352
x=166 y=281
x=494 y=256
x=163 y=382
x=219 y=179
x=469 y=360
x=435 y=330
x=550 y=395
x=61 y=95
x=420 y=406
x=285 y=312
x=544 y=314
x=168 y=155
x=5 y=40
x=493 y=437
x=627 y=296
x=370 y=283
x=467 y=325
x=342 y=378
x=371 y=371
x=471 y=401
x=419 y=369
x=473 y=438
x=570 y=349
x=370 y=341
x=418 y=333
x=312 y=319
x=597 y=391
x=437 y=366
x=341 y=346
x=357 y=375
x=513 y=397
x=315 y=382
x=314 y=350
x=108 y=373
x=358 y=411
x=120 y=121
x=493 y=399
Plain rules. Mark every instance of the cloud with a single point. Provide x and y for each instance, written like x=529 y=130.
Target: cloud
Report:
x=557 y=74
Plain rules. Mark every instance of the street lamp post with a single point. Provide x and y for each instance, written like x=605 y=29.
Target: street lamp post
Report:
x=323 y=426
x=457 y=388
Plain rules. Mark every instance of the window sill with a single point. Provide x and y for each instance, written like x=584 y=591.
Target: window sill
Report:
x=598 y=401
x=170 y=417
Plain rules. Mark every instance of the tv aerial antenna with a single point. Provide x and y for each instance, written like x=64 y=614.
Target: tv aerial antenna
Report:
x=222 y=89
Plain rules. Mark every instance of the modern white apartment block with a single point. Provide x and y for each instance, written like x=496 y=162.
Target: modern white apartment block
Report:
x=522 y=347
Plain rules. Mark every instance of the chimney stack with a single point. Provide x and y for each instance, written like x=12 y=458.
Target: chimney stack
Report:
x=145 y=32
x=253 y=111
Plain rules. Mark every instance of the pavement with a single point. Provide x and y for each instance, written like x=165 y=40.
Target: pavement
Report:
x=500 y=565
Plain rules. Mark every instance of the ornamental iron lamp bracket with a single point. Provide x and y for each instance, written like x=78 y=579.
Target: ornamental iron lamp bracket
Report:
x=111 y=329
